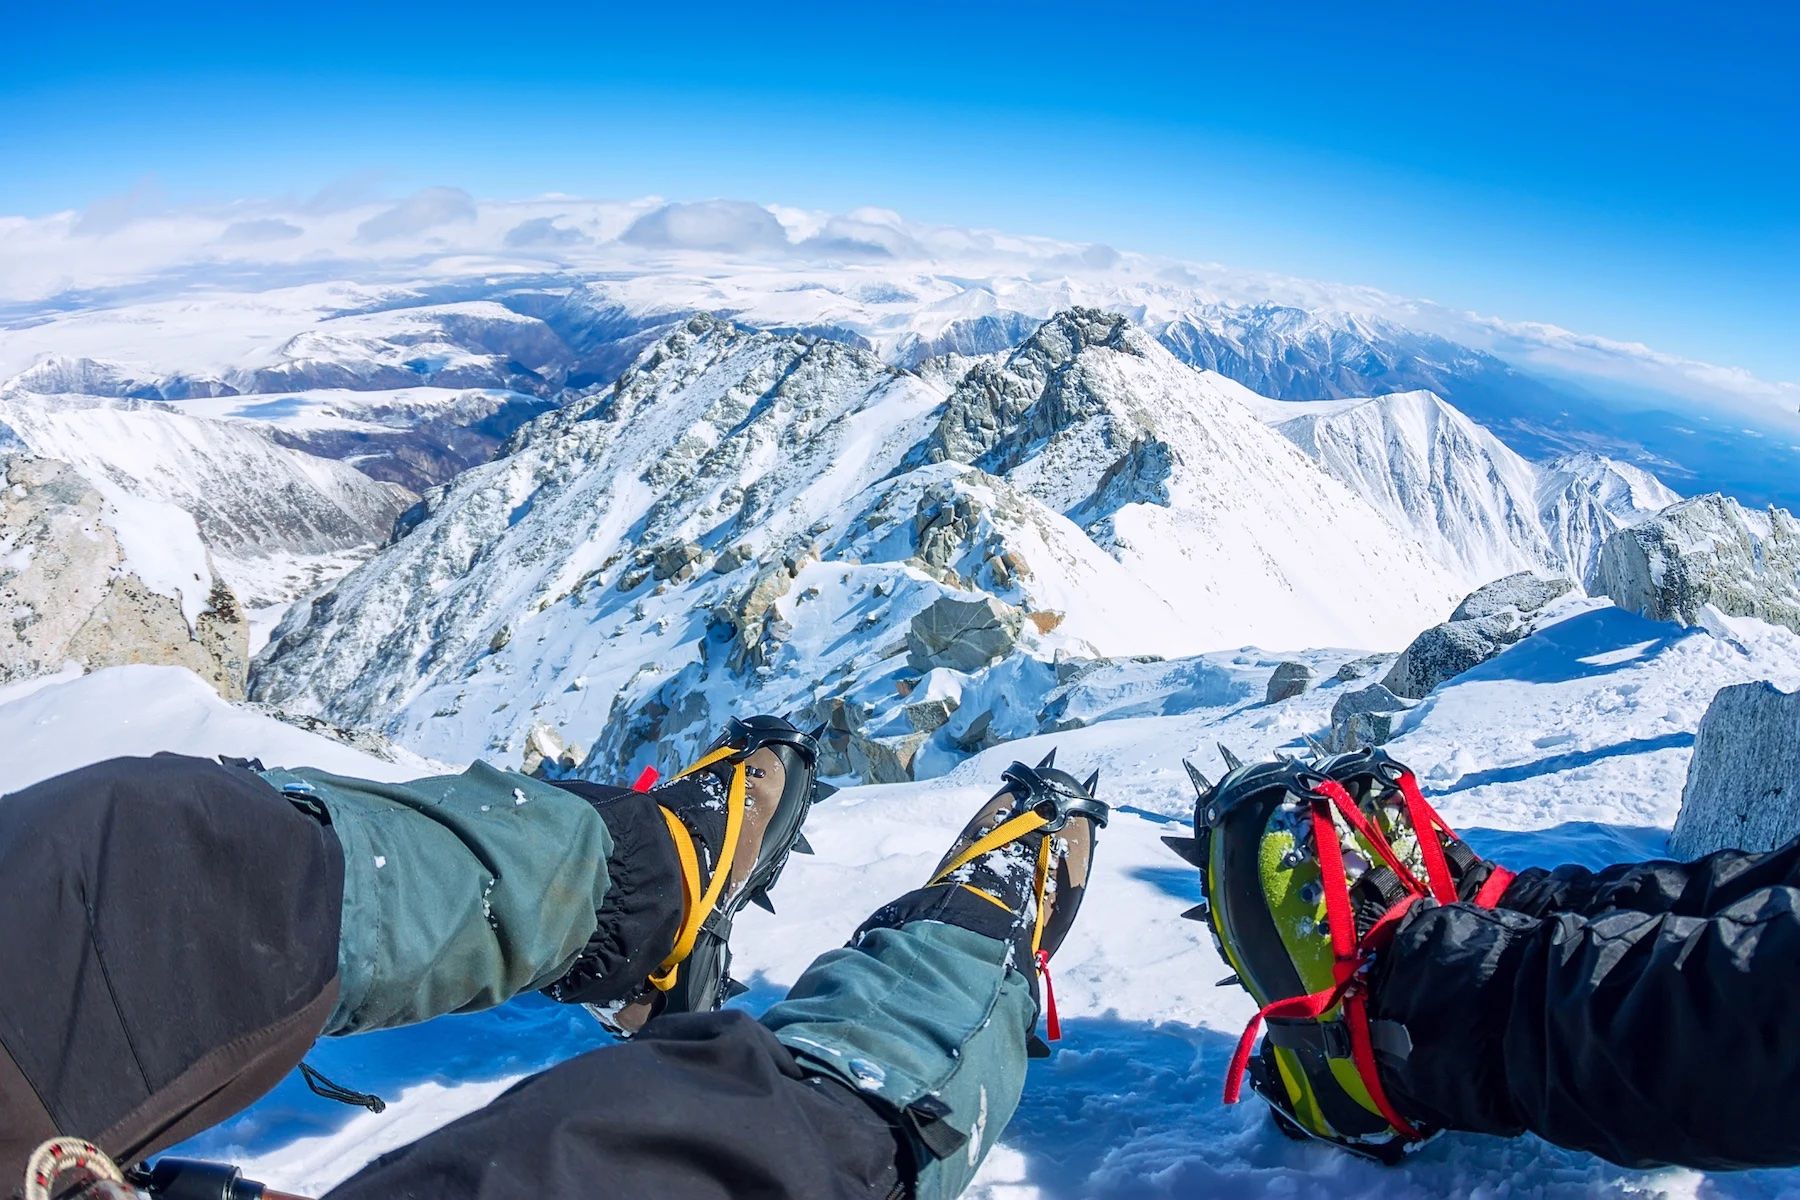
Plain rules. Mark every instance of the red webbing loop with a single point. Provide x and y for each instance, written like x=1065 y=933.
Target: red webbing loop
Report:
x=1362 y=1053
x=1052 y=1026
x=646 y=780
x=1426 y=826
x=1310 y=1007
x=1338 y=912
x=1495 y=887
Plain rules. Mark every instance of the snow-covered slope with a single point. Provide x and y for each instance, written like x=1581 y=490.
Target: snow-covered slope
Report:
x=1436 y=474
x=527 y=586
x=1464 y=494
x=721 y=530
x=57 y=723
x=1569 y=747
x=264 y=511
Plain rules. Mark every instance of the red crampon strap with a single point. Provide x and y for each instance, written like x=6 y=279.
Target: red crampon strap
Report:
x=1495 y=887
x=1052 y=1025
x=1334 y=791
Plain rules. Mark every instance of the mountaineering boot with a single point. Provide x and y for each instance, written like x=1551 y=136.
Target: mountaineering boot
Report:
x=1304 y=881
x=1029 y=849
x=734 y=816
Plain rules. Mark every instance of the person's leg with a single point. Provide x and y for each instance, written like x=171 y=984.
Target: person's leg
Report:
x=1690 y=889
x=891 y=1068
x=170 y=943
x=1644 y=1038
x=696 y=1107
x=899 y=1058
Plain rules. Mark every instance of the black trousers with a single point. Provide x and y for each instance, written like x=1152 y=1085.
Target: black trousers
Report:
x=697 y=1107
x=1646 y=1013
x=168 y=951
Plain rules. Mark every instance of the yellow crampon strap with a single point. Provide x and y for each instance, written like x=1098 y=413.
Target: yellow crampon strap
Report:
x=1045 y=856
x=1008 y=831
x=698 y=907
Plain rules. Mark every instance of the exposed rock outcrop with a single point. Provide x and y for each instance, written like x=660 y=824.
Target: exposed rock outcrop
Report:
x=1488 y=620
x=1365 y=717
x=1706 y=551
x=68 y=593
x=1743 y=783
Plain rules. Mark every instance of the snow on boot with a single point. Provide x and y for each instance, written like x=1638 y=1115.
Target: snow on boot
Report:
x=1030 y=849
x=733 y=834
x=1302 y=885
x=1388 y=793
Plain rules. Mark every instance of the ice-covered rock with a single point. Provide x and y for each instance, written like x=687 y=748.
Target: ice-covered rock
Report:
x=1743 y=782
x=1706 y=551
x=1365 y=717
x=1289 y=680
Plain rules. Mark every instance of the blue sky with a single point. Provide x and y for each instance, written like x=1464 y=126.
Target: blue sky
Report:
x=1631 y=170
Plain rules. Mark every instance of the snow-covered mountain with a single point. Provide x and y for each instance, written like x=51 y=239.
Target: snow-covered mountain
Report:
x=1583 y=499
x=1462 y=492
x=271 y=517
x=748 y=518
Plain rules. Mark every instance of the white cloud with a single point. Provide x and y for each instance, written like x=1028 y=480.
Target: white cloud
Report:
x=424 y=210
x=343 y=233
x=265 y=229
x=726 y=225
x=544 y=232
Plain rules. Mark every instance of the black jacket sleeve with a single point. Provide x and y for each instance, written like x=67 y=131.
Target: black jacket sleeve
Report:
x=1644 y=1037
x=1692 y=889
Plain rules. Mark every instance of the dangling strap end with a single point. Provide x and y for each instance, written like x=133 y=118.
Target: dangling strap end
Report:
x=1052 y=1024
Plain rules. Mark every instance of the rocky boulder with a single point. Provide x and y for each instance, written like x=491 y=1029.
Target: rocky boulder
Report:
x=963 y=635
x=1743 y=783
x=678 y=561
x=754 y=624
x=1365 y=718
x=884 y=759
x=1490 y=619
x=1523 y=594
x=1289 y=680
x=1362 y=668
x=1706 y=551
